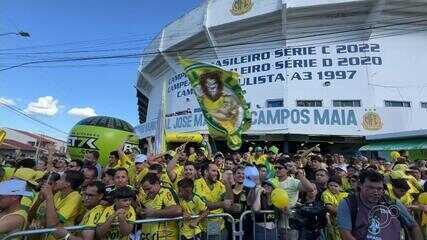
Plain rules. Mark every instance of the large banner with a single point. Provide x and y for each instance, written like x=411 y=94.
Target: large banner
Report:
x=221 y=100
x=290 y=73
x=326 y=121
x=372 y=73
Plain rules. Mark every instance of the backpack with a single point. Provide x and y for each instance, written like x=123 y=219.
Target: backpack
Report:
x=353 y=205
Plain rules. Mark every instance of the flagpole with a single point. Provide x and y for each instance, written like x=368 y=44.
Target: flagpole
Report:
x=163 y=119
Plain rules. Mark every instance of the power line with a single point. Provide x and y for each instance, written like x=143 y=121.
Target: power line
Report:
x=133 y=55
x=21 y=112
x=22 y=56
x=373 y=36
x=329 y=27
x=104 y=40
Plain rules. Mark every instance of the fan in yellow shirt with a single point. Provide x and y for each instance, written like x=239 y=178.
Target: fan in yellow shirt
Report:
x=118 y=159
x=176 y=172
x=191 y=205
x=331 y=197
x=259 y=157
x=63 y=207
x=7 y=173
x=160 y=172
x=140 y=167
x=117 y=221
x=92 y=196
x=31 y=177
x=399 y=189
x=213 y=192
x=37 y=212
x=192 y=156
x=12 y=218
x=422 y=206
x=157 y=202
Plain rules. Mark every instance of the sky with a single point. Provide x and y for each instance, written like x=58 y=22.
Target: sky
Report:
x=62 y=93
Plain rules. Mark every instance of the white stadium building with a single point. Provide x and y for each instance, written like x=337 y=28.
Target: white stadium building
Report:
x=318 y=71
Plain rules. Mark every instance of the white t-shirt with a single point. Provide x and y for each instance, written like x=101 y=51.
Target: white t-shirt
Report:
x=292 y=186
x=421 y=182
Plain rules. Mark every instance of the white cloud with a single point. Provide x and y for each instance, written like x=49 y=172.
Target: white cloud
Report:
x=7 y=101
x=46 y=105
x=82 y=112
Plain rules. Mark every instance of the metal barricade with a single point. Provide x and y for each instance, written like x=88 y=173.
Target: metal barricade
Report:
x=177 y=219
x=264 y=230
x=46 y=231
x=39 y=232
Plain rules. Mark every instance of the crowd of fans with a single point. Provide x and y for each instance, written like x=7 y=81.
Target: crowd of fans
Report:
x=329 y=196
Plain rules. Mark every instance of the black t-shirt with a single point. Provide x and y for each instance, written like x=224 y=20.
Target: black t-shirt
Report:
x=265 y=205
x=240 y=199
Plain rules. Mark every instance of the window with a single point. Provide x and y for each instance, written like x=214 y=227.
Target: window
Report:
x=142 y=106
x=272 y=103
x=309 y=103
x=423 y=104
x=397 y=104
x=346 y=103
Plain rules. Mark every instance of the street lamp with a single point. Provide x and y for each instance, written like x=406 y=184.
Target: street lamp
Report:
x=21 y=33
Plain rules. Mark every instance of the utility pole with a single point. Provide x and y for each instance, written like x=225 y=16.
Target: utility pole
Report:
x=38 y=146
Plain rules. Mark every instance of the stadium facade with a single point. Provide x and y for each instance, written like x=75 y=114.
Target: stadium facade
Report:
x=313 y=71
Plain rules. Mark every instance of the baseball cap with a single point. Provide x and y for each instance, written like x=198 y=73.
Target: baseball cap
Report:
x=250 y=173
x=14 y=187
x=396 y=174
x=27 y=174
x=140 y=158
x=401 y=167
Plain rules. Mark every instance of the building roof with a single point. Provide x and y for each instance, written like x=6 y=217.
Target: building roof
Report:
x=399 y=135
x=44 y=138
x=12 y=144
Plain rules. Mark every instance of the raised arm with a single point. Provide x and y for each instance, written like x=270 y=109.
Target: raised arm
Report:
x=254 y=198
x=52 y=219
x=125 y=228
x=102 y=230
x=306 y=185
x=170 y=169
x=208 y=145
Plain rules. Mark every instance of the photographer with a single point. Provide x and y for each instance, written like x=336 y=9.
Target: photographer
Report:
x=309 y=217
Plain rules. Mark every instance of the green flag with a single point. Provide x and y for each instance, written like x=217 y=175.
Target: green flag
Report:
x=221 y=100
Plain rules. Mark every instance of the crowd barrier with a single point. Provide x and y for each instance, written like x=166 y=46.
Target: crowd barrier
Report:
x=237 y=228
x=39 y=232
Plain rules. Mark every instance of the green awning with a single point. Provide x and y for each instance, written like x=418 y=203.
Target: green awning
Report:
x=396 y=145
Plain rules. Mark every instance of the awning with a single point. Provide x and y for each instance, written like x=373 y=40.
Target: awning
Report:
x=414 y=144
